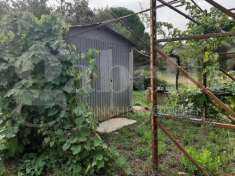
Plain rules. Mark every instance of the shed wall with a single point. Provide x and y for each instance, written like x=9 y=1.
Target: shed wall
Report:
x=104 y=102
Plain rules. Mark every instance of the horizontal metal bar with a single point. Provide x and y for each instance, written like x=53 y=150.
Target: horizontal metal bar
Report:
x=178 y=11
x=221 y=8
x=198 y=121
x=198 y=37
x=171 y=2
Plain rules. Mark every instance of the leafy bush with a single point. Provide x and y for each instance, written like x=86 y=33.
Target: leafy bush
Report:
x=210 y=162
x=41 y=117
x=188 y=102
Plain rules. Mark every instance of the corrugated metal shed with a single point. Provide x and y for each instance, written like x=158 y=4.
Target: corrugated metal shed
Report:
x=111 y=92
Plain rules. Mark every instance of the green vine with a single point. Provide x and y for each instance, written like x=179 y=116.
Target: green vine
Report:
x=41 y=118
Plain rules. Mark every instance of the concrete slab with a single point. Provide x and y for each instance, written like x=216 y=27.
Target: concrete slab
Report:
x=114 y=125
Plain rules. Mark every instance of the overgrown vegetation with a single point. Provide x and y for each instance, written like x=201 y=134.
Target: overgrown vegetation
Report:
x=42 y=123
x=190 y=102
x=211 y=147
x=45 y=130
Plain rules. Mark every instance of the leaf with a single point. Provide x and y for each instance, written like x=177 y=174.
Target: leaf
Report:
x=97 y=142
x=99 y=157
x=52 y=143
x=76 y=149
x=75 y=140
x=47 y=140
x=206 y=56
x=66 y=146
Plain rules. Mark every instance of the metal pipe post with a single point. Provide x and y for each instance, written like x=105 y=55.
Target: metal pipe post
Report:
x=153 y=57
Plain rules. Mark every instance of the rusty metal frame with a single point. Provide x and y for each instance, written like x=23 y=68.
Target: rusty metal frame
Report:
x=197 y=121
x=221 y=8
x=155 y=123
x=215 y=100
x=198 y=37
x=229 y=112
x=178 y=11
x=153 y=82
x=227 y=74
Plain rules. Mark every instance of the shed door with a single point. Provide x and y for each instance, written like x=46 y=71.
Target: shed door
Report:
x=106 y=78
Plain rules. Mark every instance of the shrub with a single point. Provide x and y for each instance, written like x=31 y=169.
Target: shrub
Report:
x=40 y=115
x=189 y=102
x=210 y=162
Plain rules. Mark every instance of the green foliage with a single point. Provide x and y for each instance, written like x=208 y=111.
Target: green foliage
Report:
x=41 y=117
x=134 y=143
x=36 y=7
x=33 y=165
x=140 y=99
x=132 y=28
x=232 y=102
x=4 y=8
x=190 y=102
x=202 y=56
x=76 y=11
x=205 y=157
x=2 y=168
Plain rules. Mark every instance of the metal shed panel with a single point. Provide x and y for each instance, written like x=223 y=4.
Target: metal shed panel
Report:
x=99 y=98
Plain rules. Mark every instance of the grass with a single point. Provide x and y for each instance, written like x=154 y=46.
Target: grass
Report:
x=140 y=99
x=134 y=143
x=169 y=78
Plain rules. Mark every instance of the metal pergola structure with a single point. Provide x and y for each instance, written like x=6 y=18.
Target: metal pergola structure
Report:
x=153 y=60
x=156 y=125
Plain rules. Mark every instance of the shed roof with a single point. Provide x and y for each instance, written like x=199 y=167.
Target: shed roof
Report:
x=109 y=29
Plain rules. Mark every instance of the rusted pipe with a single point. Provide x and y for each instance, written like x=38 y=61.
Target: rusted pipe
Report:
x=227 y=74
x=178 y=11
x=198 y=121
x=153 y=58
x=171 y=2
x=198 y=37
x=221 y=8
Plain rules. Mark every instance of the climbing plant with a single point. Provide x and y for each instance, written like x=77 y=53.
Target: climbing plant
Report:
x=41 y=120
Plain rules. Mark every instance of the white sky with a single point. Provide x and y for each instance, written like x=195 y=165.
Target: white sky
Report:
x=164 y=14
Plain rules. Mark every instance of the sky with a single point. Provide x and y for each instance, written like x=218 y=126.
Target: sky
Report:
x=164 y=14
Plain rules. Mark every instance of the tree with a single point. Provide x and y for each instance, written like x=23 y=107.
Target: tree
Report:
x=77 y=12
x=74 y=11
x=36 y=7
x=131 y=27
x=4 y=8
